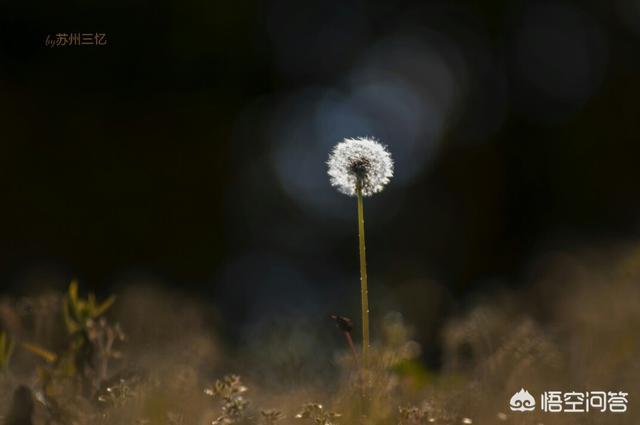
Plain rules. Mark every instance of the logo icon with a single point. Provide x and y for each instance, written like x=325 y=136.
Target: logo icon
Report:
x=522 y=401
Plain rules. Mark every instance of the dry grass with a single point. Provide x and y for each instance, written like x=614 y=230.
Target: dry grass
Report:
x=577 y=327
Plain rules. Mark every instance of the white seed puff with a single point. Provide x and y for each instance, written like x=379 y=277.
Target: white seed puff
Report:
x=363 y=159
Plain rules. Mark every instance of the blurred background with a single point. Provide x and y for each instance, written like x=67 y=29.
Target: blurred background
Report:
x=189 y=152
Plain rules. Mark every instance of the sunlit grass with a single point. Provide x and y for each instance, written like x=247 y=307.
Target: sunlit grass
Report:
x=586 y=339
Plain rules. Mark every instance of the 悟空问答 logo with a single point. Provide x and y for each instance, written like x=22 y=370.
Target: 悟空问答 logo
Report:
x=522 y=401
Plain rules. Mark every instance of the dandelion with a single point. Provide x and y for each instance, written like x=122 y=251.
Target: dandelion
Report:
x=360 y=161
x=361 y=167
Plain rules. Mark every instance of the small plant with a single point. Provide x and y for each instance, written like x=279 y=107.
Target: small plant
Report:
x=92 y=337
x=82 y=367
x=361 y=167
x=315 y=412
x=79 y=312
x=230 y=390
x=271 y=416
x=118 y=394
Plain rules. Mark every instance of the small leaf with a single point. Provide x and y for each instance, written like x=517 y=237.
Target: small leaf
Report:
x=75 y=303
x=102 y=308
x=73 y=291
x=72 y=326
x=40 y=352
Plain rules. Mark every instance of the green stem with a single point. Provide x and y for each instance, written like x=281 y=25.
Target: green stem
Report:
x=364 y=291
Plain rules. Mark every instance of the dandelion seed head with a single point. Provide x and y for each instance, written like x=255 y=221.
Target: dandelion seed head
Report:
x=361 y=159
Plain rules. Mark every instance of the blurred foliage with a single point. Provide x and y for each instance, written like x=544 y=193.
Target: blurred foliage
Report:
x=6 y=350
x=316 y=414
x=271 y=416
x=84 y=365
x=79 y=312
x=584 y=336
x=230 y=389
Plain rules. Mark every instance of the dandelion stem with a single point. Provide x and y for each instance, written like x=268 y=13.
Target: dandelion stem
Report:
x=364 y=291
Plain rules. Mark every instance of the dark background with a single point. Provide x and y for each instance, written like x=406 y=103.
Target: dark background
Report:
x=189 y=152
